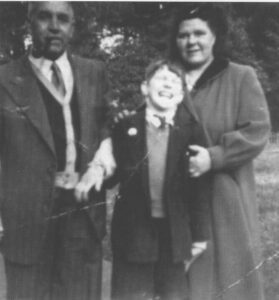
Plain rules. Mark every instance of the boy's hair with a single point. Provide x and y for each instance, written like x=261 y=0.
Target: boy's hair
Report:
x=154 y=66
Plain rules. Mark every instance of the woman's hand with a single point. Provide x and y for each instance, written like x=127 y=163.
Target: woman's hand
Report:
x=199 y=163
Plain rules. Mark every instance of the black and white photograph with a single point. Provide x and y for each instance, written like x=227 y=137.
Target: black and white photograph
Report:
x=139 y=150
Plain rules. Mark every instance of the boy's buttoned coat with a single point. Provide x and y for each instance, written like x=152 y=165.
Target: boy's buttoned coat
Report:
x=133 y=235
x=28 y=158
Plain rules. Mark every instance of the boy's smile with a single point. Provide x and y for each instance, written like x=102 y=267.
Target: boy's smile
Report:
x=164 y=91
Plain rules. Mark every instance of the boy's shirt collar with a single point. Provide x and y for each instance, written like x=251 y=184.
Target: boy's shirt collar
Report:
x=153 y=117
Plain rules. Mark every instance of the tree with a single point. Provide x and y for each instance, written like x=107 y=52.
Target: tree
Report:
x=128 y=35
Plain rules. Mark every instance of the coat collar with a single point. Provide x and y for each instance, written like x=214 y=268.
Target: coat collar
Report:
x=213 y=70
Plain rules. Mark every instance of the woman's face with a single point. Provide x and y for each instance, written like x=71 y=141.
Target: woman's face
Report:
x=195 y=41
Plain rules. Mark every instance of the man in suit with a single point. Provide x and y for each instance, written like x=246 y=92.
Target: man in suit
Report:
x=52 y=118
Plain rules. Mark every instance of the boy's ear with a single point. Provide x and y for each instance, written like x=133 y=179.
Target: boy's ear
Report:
x=143 y=88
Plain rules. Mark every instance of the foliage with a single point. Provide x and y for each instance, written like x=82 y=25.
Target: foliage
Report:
x=142 y=29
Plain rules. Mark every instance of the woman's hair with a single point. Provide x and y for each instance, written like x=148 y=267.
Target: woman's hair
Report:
x=211 y=13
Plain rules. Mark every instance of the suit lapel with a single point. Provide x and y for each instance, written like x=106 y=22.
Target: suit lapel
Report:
x=143 y=154
x=84 y=97
x=26 y=95
x=138 y=149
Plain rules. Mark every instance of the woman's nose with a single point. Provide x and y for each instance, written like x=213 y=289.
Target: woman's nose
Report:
x=192 y=39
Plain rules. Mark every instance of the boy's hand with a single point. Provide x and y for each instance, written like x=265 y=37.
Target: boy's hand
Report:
x=200 y=163
x=92 y=178
x=197 y=250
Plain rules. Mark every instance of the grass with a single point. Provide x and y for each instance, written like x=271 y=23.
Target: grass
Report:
x=267 y=178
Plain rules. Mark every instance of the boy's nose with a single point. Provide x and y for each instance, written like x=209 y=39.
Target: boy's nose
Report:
x=167 y=83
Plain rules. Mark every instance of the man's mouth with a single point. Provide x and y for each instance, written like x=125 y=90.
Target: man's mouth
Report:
x=54 y=40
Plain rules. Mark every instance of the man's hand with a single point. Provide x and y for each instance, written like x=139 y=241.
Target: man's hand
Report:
x=123 y=114
x=199 y=163
x=104 y=156
x=92 y=178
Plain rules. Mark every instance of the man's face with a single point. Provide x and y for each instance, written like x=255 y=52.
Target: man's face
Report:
x=52 y=26
x=164 y=91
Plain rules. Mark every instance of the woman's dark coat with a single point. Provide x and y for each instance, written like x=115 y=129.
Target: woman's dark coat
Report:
x=231 y=105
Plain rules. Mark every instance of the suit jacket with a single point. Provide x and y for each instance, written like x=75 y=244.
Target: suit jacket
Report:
x=28 y=158
x=133 y=235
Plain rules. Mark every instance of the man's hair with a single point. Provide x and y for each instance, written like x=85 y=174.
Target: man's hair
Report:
x=158 y=64
x=33 y=6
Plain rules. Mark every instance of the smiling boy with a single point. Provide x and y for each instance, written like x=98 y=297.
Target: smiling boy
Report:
x=159 y=219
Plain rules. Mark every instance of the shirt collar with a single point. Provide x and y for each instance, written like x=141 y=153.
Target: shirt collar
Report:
x=44 y=65
x=41 y=63
x=151 y=116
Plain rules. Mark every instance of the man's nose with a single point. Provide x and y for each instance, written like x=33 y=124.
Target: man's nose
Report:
x=54 y=24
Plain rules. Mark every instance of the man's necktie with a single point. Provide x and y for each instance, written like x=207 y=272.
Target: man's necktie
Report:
x=57 y=80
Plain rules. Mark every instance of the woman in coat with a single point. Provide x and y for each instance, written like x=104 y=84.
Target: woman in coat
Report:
x=230 y=104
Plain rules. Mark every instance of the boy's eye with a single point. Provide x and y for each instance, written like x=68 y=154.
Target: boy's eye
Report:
x=176 y=81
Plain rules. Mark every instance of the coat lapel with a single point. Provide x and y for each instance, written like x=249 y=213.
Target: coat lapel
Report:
x=138 y=149
x=143 y=155
x=178 y=141
x=26 y=95
x=84 y=94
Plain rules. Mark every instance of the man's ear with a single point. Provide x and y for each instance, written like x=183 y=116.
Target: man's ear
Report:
x=143 y=88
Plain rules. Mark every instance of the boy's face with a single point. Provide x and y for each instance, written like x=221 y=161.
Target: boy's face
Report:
x=164 y=90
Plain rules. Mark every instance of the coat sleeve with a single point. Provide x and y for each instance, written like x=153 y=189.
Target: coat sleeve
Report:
x=106 y=98
x=252 y=127
x=118 y=151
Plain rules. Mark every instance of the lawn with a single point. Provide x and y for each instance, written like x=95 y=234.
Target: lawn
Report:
x=267 y=177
